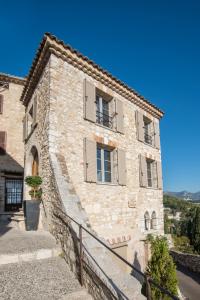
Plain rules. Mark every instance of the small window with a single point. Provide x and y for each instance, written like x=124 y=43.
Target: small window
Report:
x=153 y=220
x=103 y=112
x=104 y=164
x=146 y=221
x=152 y=180
x=148 y=132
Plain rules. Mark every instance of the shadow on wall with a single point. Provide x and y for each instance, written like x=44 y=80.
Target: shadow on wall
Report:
x=137 y=265
x=9 y=164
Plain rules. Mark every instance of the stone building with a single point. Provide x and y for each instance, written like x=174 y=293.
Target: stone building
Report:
x=11 y=143
x=103 y=138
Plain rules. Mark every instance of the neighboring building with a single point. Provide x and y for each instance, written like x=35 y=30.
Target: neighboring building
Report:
x=105 y=137
x=11 y=143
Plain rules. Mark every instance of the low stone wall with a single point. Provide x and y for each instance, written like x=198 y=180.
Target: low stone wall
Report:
x=190 y=261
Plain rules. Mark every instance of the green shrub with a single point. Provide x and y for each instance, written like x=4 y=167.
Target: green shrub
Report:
x=161 y=268
x=34 y=182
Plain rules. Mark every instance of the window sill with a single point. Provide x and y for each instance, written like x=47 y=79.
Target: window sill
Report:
x=151 y=188
x=149 y=145
x=31 y=132
x=107 y=183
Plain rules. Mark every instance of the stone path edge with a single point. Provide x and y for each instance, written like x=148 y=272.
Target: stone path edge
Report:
x=30 y=256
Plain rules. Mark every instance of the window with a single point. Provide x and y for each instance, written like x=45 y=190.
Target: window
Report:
x=104 y=164
x=146 y=221
x=148 y=136
x=102 y=112
x=152 y=180
x=153 y=220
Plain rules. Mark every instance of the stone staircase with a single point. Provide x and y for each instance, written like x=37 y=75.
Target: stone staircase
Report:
x=32 y=268
x=14 y=219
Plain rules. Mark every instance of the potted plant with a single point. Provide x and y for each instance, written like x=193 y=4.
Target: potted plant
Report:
x=32 y=207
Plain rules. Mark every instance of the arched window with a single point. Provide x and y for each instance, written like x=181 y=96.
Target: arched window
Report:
x=153 y=220
x=146 y=221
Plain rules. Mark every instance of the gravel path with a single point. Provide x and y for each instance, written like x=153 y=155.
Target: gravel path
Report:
x=47 y=279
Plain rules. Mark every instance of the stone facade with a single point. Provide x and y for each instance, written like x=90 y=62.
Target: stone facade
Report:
x=55 y=132
x=11 y=116
x=115 y=212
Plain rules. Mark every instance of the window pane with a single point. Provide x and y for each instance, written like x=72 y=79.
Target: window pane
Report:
x=107 y=166
x=105 y=106
x=99 y=176
x=98 y=153
x=97 y=103
x=107 y=177
x=106 y=155
x=98 y=164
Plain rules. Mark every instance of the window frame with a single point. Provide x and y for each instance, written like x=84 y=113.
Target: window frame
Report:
x=148 y=136
x=102 y=163
x=100 y=114
x=152 y=171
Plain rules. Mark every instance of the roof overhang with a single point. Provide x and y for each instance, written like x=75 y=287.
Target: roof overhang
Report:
x=51 y=45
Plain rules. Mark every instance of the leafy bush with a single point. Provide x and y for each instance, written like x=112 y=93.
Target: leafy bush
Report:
x=34 y=182
x=182 y=244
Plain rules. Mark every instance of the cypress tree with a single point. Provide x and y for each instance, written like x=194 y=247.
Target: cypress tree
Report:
x=161 y=268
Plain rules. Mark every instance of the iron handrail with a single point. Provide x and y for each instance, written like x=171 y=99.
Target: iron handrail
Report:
x=147 y=278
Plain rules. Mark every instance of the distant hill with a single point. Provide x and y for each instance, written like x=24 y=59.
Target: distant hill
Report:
x=185 y=195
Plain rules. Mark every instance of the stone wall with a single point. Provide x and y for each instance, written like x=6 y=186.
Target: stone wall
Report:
x=114 y=211
x=11 y=122
x=190 y=261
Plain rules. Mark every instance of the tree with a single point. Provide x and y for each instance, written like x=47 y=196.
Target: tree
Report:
x=161 y=268
x=196 y=231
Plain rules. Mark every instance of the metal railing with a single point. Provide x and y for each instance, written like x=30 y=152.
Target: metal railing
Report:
x=104 y=119
x=148 y=280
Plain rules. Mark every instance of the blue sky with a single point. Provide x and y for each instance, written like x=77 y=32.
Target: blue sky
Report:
x=153 y=46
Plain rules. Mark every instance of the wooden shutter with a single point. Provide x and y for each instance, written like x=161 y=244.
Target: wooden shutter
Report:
x=89 y=101
x=159 y=175
x=1 y=104
x=24 y=127
x=121 y=167
x=156 y=135
x=2 y=142
x=140 y=126
x=119 y=116
x=115 y=166
x=34 y=109
x=90 y=161
x=143 y=171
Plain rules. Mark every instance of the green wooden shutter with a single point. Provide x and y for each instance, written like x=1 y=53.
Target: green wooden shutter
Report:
x=90 y=161
x=89 y=101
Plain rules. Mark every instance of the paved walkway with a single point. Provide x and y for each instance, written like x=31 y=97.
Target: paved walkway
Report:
x=189 y=283
x=33 y=278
